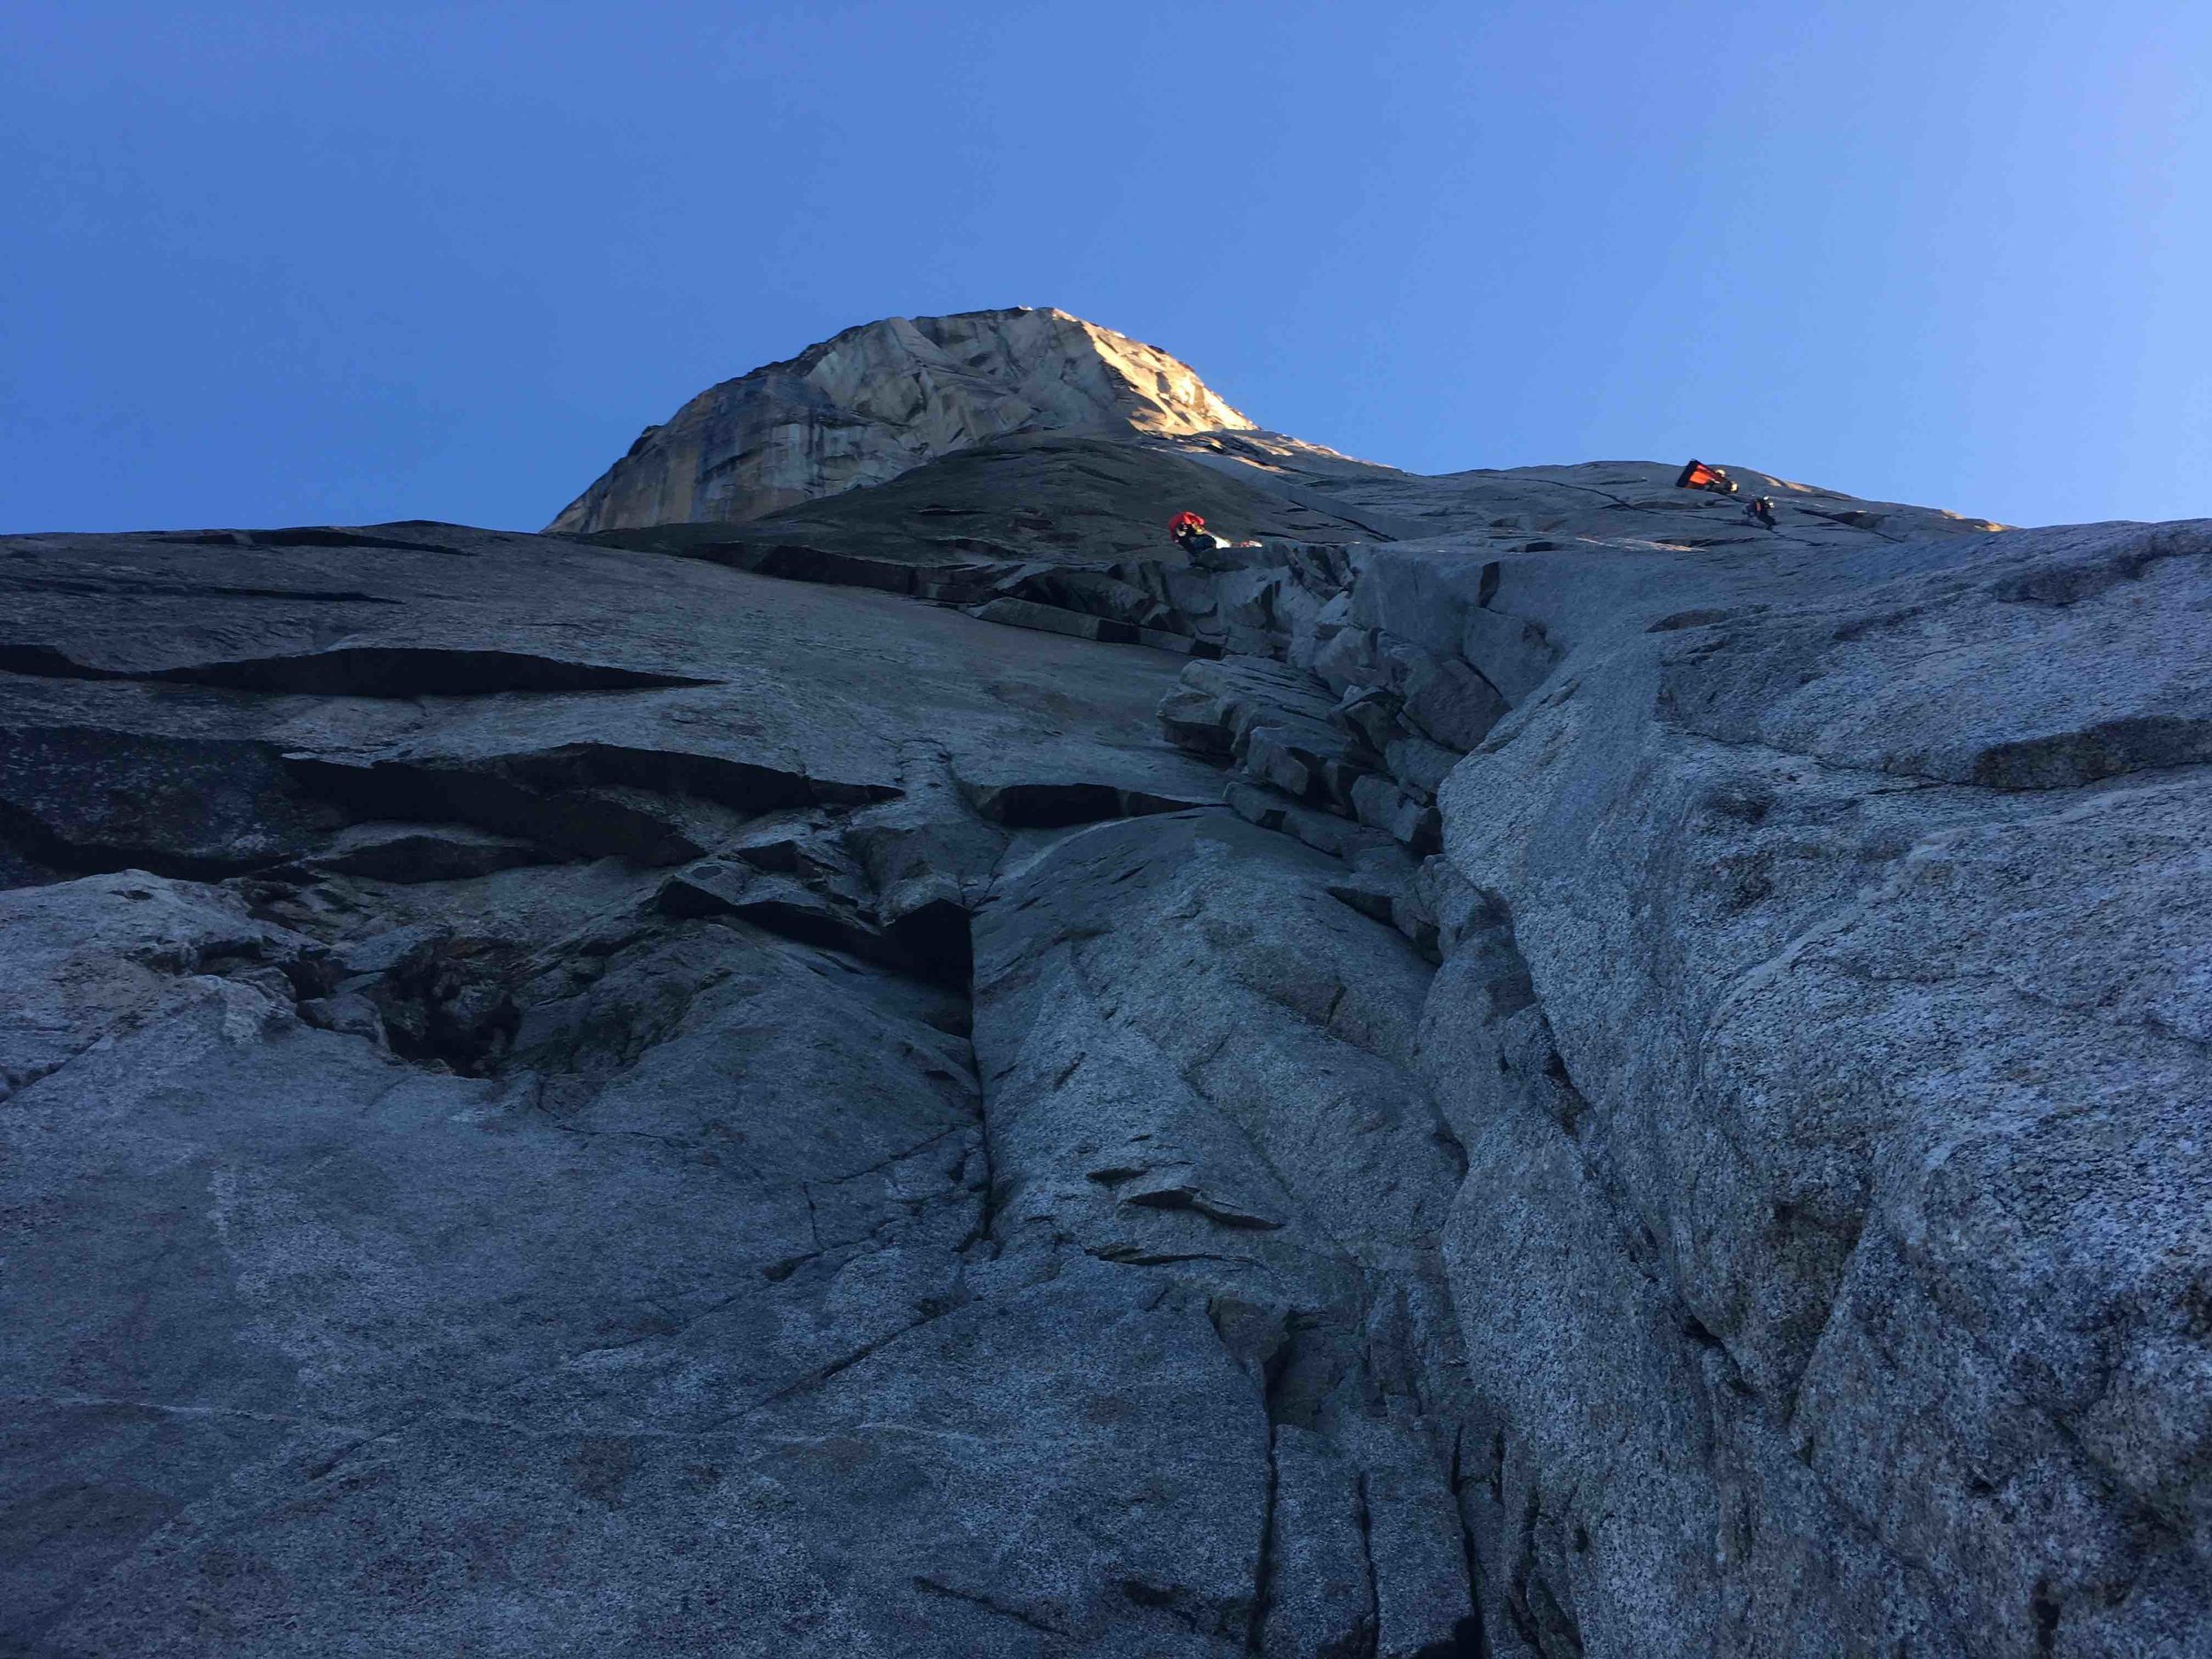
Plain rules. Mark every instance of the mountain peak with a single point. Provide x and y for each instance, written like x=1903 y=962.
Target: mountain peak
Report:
x=876 y=400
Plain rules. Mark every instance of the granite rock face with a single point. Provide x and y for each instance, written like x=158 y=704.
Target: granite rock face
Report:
x=1538 y=1069
x=882 y=398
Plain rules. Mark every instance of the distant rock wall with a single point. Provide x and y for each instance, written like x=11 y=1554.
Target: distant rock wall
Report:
x=876 y=400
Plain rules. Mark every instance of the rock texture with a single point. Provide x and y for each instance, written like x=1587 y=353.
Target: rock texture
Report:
x=881 y=398
x=1539 y=1070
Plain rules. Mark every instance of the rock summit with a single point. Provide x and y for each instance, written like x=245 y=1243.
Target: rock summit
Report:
x=880 y=399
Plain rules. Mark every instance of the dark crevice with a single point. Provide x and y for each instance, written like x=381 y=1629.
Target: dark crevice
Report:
x=1535 y=1612
x=1472 y=1640
x=796 y=562
x=516 y=797
x=120 y=586
x=987 y=1203
x=1372 y=1636
x=1064 y=805
x=1165 y=1599
x=814 y=1378
x=39 y=848
x=47 y=662
x=307 y=535
x=1852 y=519
x=939 y=939
x=1137 y=1255
x=403 y=671
x=1466 y=1641
x=796 y=914
x=742 y=786
x=2043 y=1612
x=976 y=1599
x=1263 y=1564
x=931 y=944
x=364 y=670
x=571 y=798
x=1193 y=1200
x=448 y=1001
x=1447 y=1137
x=90 y=801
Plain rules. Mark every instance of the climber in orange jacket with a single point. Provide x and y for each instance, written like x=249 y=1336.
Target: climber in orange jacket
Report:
x=1697 y=475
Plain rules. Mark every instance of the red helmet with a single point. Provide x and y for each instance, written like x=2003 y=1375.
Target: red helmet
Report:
x=1183 y=523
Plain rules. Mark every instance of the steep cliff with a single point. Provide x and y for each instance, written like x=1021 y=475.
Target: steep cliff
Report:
x=1547 y=1071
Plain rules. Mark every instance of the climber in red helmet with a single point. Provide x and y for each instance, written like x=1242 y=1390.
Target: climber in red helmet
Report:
x=1189 y=531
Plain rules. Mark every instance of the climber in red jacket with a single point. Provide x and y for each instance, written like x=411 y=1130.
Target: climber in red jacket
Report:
x=1189 y=531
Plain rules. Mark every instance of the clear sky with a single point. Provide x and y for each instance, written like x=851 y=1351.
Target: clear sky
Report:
x=275 y=264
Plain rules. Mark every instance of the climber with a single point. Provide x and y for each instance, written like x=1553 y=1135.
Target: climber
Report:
x=1762 y=507
x=1190 y=533
x=1697 y=475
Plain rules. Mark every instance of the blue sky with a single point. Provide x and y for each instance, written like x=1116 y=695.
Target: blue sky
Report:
x=315 y=262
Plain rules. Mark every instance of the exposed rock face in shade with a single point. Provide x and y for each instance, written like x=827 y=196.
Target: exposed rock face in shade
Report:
x=1539 y=1070
x=876 y=400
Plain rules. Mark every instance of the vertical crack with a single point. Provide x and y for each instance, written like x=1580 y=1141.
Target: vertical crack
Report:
x=1473 y=1634
x=987 y=1213
x=1263 y=1568
x=1372 y=1643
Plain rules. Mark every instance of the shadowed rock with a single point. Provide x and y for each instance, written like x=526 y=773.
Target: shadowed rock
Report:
x=367 y=671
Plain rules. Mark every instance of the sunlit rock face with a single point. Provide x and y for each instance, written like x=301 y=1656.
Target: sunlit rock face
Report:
x=878 y=399
x=1517 y=1064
